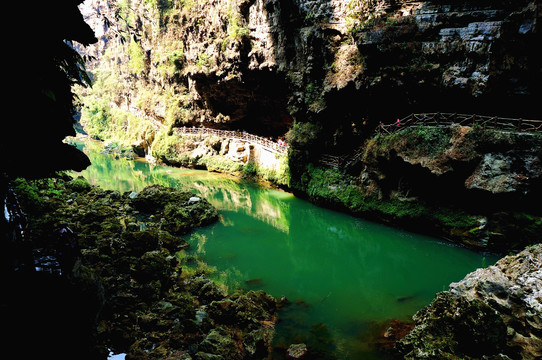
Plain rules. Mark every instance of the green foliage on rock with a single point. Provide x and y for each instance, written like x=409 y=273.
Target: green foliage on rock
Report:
x=303 y=135
x=279 y=176
x=106 y=123
x=424 y=140
x=96 y=117
x=333 y=188
x=137 y=58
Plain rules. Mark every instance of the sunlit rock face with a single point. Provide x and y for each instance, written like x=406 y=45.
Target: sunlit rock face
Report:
x=489 y=162
x=260 y=64
x=493 y=313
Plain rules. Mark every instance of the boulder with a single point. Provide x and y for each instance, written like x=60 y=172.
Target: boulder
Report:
x=154 y=198
x=219 y=342
x=492 y=313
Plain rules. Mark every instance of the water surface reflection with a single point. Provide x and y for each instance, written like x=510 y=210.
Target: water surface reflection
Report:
x=341 y=274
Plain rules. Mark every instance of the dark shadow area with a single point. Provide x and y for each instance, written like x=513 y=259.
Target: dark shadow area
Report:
x=43 y=314
x=256 y=105
x=46 y=316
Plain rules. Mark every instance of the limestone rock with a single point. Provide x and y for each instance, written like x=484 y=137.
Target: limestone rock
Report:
x=492 y=313
x=297 y=351
x=505 y=173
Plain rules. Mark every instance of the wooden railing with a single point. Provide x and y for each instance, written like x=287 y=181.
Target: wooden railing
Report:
x=446 y=119
x=279 y=147
x=332 y=161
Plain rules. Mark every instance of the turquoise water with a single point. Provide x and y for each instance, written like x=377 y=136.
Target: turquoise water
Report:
x=343 y=276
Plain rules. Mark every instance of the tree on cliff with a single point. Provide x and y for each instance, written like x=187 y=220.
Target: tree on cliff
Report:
x=43 y=67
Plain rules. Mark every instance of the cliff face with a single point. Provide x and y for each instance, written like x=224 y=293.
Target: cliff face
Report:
x=494 y=174
x=326 y=72
x=259 y=64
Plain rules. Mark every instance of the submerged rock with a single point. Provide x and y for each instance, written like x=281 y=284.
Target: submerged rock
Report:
x=297 y=351
x=492 y=313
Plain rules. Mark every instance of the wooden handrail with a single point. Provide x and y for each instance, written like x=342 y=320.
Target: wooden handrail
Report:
x=239 y=135
x=446 y=119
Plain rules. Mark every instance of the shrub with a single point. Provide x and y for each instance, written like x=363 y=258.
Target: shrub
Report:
x=137 y=58
x=302 y=135
x=96 y=116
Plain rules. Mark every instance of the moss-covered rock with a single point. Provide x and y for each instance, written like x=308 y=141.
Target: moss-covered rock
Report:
x=493 y=313
x=130 y=244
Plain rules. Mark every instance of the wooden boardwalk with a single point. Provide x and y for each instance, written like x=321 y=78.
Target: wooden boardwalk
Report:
x=438 y=119
x=270 y=145
x=447 y=119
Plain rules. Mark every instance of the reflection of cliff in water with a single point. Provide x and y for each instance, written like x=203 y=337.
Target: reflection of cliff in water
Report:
x=232 y=194
x=262 y=204
x=226 y=193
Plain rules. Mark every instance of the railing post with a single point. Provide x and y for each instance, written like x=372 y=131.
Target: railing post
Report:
x=519 y=125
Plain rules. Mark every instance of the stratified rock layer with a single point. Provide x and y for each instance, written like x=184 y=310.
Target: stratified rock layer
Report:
x=258 y=65
x=493 y=313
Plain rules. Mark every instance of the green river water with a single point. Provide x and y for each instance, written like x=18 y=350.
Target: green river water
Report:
x=343 y=276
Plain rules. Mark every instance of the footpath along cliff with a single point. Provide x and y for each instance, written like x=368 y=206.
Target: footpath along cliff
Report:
x=323 y=75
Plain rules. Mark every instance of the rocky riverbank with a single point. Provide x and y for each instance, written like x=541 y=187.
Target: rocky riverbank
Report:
x=218 y=153
x=493 y=313
x=474 y=186
x=151 y=303
x=326 y=73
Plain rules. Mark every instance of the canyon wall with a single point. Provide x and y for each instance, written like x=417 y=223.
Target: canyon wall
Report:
x=324 y=74
x=260 y=65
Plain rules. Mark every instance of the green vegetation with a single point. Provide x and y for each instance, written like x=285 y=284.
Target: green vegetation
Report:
x=334 y=188
x=125 y=14
x=427 y=140
x=162 y=5
x=365 y=14
x=137 y=58
x=96 y=116
x=165 y=146
x=204 y=61
x=360 y=15
x=219 y=163
x=281 y=176
x=312 y=93
x=105 y=123
x=303 y=135
x=35 y=193
x=237 y=31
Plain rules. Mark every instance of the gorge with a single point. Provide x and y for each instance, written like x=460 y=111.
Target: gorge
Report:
x=322 y=75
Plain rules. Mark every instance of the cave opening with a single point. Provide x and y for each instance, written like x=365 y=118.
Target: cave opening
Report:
x=257 y=103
